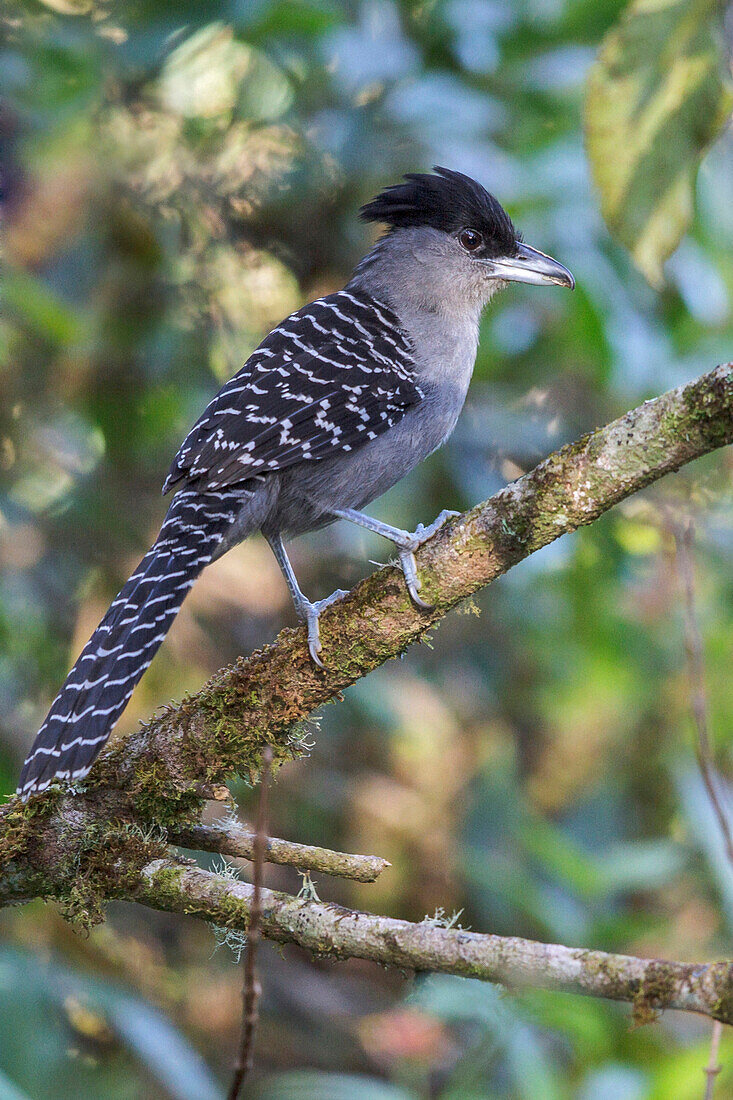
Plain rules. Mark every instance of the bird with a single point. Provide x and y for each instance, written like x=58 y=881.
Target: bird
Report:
x=338 y=403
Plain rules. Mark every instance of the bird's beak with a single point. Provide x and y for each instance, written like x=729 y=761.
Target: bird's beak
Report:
x=531 y=266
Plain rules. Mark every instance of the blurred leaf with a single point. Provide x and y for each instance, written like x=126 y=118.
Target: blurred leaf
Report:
x=8 y=1091
x=70 y=7
x=704 y=825
x=521 y=1045
x=558 y=854
x=614 y=1081
x=166 y=1053
x=681 y=1075
x=655 y=100
x=66 y=76
x=31 y=989
x=210 y=72
x=43 y=311
x=587 y=1024
x=328 y=1086
x=263 y=22
x=638 y=538
x=640 y=865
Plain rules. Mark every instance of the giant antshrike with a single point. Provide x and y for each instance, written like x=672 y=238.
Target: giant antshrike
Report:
x=337 y=404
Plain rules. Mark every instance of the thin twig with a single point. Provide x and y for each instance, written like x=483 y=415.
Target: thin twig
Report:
x=713 y=1067
x=232 y=839
x=684 y=538
x=251 y=988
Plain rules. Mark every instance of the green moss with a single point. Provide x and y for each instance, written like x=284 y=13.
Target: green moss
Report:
x=166 y=882
x=695 y=417
x=721 y=975
x=105 y=861
x=158 y=798
x=19 y=823
x=233 y=908
x=655 y=992
x=82 y=908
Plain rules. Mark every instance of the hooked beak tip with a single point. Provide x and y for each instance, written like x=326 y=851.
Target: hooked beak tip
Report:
x=529 y=265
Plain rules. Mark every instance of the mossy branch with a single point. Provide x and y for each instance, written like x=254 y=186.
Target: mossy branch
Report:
x=109 y=837
x=261 y=699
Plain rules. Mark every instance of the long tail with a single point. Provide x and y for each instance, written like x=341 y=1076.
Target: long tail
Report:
x=123 y=645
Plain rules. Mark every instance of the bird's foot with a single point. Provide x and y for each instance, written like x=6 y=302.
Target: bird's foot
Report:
x=406 y=554
x=310 y=614
x=421 y=534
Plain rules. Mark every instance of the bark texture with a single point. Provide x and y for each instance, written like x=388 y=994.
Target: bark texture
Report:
x=110 y=837
x=231 y=839
x=332 y=931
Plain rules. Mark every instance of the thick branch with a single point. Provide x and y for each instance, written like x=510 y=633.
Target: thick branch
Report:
x=108 y=840
x=231 y=839
x=258 y=700
x=325 y=929
x=160 y=775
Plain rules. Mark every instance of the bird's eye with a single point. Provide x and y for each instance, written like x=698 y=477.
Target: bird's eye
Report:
x=470 y=239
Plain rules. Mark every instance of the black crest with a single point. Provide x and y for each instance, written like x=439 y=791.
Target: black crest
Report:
x=449 y=201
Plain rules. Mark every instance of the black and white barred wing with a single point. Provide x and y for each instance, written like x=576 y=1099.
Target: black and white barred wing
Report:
x=334 y=375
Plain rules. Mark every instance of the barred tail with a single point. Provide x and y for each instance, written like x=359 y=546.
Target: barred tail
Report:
x=123 y=645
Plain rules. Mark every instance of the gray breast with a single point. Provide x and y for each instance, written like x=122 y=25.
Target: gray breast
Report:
x=444 y=349
x=309 y=493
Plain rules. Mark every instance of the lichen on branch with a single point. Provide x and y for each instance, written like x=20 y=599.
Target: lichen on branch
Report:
x=109 y=837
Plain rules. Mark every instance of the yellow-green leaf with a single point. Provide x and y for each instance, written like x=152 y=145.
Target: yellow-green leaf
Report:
x=656 y=97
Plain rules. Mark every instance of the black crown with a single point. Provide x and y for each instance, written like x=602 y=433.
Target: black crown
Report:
x=449 y=201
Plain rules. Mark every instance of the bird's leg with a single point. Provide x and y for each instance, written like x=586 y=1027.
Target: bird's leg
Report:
x=407 y=542
x=306 y=611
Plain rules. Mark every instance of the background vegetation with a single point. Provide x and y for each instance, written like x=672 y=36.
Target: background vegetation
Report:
x=174 y=184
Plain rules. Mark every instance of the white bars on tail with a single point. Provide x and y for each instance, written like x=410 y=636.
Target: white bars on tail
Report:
x=99 y=685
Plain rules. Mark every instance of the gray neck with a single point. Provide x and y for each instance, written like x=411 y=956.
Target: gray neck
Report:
x=413 y=269
x=437 y=307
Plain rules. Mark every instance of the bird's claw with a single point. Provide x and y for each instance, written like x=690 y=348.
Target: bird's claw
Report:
x=421 y=533
x=412 y=578
x=413 y=542
x=310 y=613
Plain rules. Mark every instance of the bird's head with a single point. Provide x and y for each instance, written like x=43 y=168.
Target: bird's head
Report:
x=452 y=230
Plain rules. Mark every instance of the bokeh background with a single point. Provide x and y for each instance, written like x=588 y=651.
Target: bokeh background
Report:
x=177 y=178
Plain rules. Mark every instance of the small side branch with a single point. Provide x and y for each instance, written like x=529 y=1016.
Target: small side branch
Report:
x=648 y=984
x=231 y=839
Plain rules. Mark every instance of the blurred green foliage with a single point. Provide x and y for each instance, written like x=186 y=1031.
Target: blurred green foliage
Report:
x=178 y=179
x=657 y=96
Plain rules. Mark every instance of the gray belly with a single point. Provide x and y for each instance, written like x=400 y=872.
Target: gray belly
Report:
x=309 y=493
